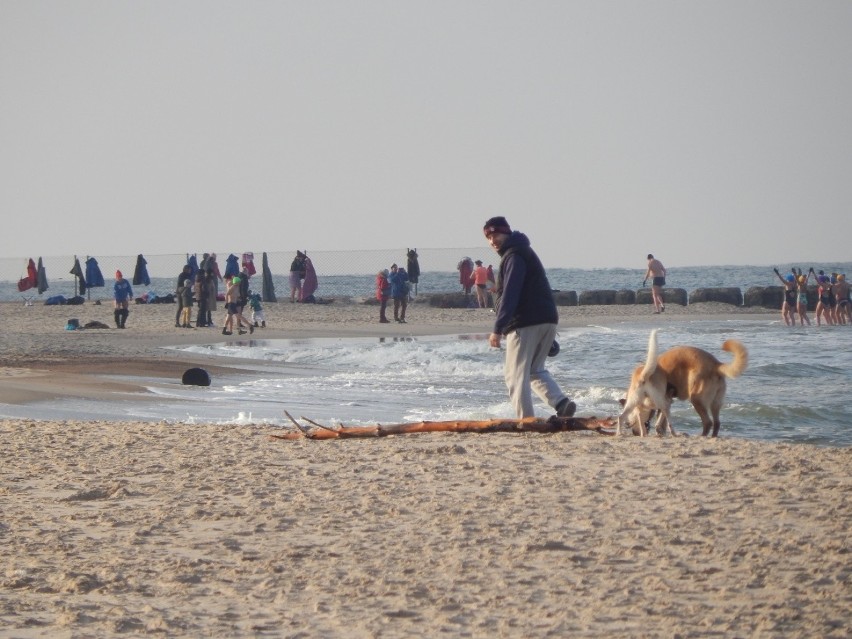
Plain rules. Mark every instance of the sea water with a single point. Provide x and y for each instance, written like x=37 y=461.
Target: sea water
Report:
x=688 y=278
x=794 y=390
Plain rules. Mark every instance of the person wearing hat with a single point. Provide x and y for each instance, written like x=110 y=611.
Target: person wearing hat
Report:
x=122 y=294
x=479 y=278
x=788 y=306
x=527 y=319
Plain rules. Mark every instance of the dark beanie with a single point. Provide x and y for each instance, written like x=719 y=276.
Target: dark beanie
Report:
x=497 y=225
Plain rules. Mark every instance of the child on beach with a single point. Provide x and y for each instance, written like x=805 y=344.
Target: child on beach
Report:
x=256 y=309
x=186 y=294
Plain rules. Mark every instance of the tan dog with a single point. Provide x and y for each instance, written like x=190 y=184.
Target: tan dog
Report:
x=683 y=372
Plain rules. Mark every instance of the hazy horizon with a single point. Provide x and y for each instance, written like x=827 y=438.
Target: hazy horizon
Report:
x=707 y=133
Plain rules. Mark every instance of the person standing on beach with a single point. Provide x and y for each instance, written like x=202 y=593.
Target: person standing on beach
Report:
x=383 y=291
x=398 y=279
x=465 y=269
x=297 y=274
x=186 y=302
x=527 y=318
x=235 y=309
x=479 y=277
x=199 y=291
x=212 y=294
x=657 y=272
x=122 y=293
x=182 y=281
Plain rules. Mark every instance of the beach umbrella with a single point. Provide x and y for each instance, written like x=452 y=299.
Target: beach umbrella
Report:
x=94 y=277
x=413 y=268
x=310 y=285
x=30 y=280
x=79 y=278
x=41 y=277
x=268 y=285
x=248 y=263
x=232 y=266
x=140 y=274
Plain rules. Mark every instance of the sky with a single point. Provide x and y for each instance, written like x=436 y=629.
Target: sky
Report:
x=705 y=132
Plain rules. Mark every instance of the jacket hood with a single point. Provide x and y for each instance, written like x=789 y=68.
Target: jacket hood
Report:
x=515 y=239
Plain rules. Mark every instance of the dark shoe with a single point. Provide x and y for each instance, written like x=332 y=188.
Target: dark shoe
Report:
x=384 y=321
x=251 y=328
x=225 y=331
x=242 y=332
x=263 y=324
x=402 y=321
x=177 y=324
x=566 y=408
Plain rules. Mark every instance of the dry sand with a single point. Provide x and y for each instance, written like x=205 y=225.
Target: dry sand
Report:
x=128 y=529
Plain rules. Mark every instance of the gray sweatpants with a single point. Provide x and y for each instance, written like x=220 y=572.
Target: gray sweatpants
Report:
x=526 y=352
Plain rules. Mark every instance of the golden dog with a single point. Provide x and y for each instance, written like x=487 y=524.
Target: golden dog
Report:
x=683 y=372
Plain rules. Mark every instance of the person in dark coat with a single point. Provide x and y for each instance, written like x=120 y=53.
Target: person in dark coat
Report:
x=527 y=319
x=184 y=279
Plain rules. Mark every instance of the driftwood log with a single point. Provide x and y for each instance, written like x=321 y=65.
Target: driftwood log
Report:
x=314 y=430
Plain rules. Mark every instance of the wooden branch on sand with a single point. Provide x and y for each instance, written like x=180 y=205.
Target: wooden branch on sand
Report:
x=553 y=424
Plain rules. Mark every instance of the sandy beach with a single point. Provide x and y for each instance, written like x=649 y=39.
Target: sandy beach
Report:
x=128 y=529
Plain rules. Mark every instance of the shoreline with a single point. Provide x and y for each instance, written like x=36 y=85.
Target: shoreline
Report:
x=39 y=359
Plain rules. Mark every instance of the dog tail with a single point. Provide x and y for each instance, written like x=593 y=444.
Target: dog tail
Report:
x=736 y=367
x=651 y=358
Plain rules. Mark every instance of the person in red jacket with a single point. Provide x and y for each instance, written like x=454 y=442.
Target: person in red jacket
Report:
x=383 y=291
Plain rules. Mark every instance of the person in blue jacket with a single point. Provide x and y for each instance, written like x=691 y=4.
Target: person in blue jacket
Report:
x=398 y=279
x=527 y=319
x=122 y=293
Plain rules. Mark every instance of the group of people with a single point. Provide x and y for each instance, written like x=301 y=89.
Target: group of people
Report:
x=303 y=279
x=833 y=304
x=475 y=276
x=393 y=284
x=203 y=290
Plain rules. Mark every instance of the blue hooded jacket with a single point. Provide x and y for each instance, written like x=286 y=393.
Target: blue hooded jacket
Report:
x=524 y=297
x=399 y=283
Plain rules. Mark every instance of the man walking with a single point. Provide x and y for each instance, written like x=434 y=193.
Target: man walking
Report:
x=527 y=318
x=657 y=272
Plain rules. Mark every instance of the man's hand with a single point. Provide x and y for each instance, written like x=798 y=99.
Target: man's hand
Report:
x=494 y=339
